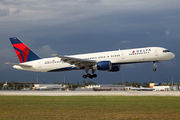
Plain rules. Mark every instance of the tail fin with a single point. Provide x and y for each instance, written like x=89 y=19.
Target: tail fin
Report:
x=23 y=52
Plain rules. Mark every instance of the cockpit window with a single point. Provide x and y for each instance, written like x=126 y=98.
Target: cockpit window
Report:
x=166 y=51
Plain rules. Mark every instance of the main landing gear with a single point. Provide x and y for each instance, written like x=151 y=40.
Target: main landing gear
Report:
x=89 y=75
x=154 y=66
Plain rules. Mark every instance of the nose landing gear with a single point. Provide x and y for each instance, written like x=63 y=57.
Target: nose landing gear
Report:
x=154 y=66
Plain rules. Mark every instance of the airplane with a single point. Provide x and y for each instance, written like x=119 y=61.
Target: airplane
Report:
x=105 y=61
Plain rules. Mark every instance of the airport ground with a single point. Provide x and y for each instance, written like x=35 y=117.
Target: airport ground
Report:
x=89 y=107
x=91 y=93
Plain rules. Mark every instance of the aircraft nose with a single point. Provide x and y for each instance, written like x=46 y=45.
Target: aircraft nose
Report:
x=172 y=55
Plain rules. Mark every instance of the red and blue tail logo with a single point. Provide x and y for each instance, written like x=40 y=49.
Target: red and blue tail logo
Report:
x=23 y=52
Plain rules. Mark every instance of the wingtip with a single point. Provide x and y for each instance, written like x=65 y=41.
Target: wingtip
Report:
x=54 y=55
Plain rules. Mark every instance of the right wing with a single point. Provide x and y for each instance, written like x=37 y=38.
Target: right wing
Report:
x=76 y=61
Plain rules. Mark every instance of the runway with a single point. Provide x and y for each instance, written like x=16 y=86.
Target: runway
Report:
x=91 y=93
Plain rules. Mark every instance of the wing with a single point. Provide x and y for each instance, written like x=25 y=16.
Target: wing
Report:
x=19 y=64
x=75 y=61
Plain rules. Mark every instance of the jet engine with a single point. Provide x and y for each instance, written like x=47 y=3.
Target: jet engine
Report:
x=103 y=65
x=115 y=68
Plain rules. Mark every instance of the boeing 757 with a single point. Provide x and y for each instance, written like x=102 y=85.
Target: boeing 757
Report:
x=105 y=61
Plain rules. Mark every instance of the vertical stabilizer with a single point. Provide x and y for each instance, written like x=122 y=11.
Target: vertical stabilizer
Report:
x=23 y=52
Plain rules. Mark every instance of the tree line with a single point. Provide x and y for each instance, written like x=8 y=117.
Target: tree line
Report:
x=21 y=85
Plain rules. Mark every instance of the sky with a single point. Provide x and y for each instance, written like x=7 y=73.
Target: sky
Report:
x=68 y=27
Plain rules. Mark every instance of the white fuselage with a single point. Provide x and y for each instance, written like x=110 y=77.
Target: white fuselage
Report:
x=119 y=57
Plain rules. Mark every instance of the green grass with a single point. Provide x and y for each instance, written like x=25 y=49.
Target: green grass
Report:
x=89 y=107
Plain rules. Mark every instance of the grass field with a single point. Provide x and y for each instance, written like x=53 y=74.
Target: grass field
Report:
x=89 y=107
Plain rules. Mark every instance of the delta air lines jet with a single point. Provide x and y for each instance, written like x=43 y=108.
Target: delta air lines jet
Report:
x=106 y=61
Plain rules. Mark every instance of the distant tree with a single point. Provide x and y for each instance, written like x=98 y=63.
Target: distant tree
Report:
x=164 y=84
x=133 y=84
x=21 y=84
x=17 y=87
x=138 y=84
x=11 y=85
x=118 y=84
x=91 y=83
x=145 y=84
x=77 y=83
x=127 y=83
x=74 y=86
x=83 y=82
x=30 y=87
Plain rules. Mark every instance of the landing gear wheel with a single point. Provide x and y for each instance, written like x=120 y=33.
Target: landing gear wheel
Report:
x=154 y=69
x=94 y=75
x=88 y=75
x=84 y=76
x=91 y=76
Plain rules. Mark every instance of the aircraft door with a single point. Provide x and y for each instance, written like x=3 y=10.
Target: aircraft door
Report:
x=39 y=64
x=156 y=52
x=122 y=56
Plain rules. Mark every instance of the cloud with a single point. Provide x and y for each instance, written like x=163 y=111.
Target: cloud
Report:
x=7 y=55
x=148 y=33
x=167 y=32
x=171 y=64
x=16 y=11
x=125 y=41
x=45 y=51
x=4 y=12
x=83 y=24
x=72 y=10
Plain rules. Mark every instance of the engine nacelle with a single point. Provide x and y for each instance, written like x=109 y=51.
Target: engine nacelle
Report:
x=104 y=65
x=115 y=68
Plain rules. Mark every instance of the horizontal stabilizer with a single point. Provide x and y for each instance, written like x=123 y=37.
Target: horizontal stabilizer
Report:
x=22 y=65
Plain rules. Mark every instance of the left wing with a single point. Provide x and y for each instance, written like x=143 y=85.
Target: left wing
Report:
x=75 y=61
